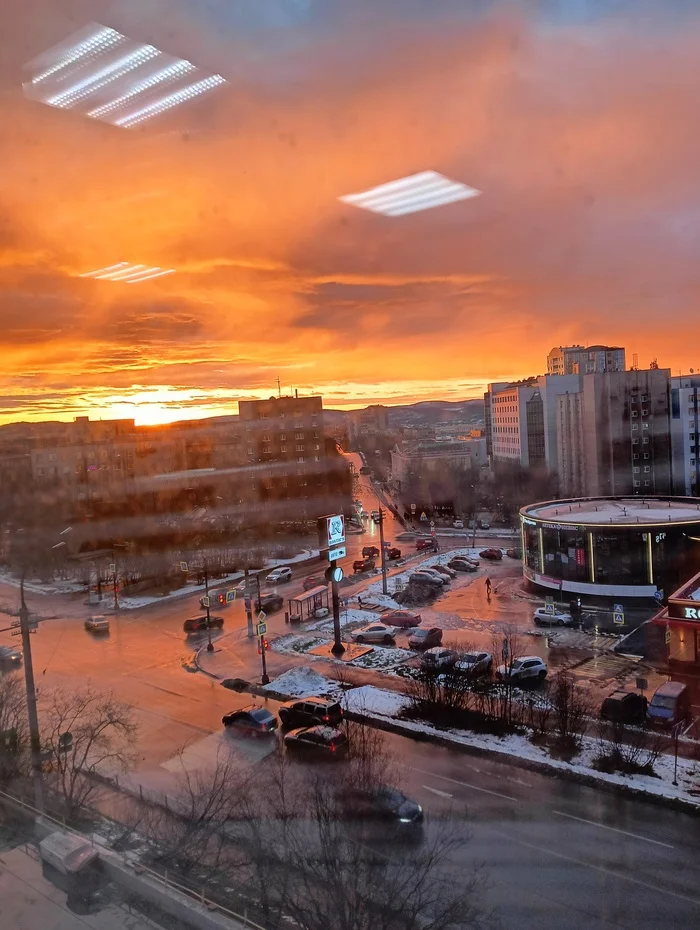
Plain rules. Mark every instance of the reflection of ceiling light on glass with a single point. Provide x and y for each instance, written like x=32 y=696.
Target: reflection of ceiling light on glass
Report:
x=104 y=75
x=128 y=273
x=409 y=195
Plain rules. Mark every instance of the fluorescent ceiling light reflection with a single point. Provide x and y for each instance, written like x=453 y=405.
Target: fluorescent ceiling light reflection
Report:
x=104 y=75
x=421 y=191
x=128 y=273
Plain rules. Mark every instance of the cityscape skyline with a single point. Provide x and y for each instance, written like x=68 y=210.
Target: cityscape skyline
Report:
x=584 y=221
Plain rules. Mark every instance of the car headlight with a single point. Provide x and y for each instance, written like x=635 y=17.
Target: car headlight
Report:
x=404 y=819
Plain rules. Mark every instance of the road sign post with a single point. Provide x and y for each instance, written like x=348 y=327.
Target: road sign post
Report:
x=618 y=614
x=549 y=605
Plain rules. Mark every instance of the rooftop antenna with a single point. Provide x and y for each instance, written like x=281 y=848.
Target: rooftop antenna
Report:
x=635 y=361
x=279 y=387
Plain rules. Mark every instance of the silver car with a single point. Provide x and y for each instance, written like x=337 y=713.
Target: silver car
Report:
x=374 y=633
x=425 y=577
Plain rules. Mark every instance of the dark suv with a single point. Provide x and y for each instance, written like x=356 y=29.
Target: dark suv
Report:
x=369 y=552
x=195 y=624
x=310 y=711
x=625 y=707
x=267 y=602
x=363 y=565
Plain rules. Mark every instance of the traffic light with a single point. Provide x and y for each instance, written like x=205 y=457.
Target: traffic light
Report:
x=265 y=643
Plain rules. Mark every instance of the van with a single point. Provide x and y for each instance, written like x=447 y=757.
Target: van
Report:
x=670 y=705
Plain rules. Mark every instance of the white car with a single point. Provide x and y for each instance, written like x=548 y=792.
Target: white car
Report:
x=279 y=575
x=526 y=668
x=458 y=524
x=97 y=624
x=475 y=663
x=556 y=618
x=374 y=633
x=10 y=655
x=426 y=577
x=439 y=657
x=445 y=570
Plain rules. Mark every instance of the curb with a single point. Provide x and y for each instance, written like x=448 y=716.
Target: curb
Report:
x=199 y=666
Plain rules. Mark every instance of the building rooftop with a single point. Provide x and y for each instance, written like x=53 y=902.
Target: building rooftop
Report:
x=617 y=510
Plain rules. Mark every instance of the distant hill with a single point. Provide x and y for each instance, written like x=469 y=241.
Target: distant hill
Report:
x=423 y=413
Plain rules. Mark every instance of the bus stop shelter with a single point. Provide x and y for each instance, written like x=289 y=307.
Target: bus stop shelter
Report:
x=305 y=606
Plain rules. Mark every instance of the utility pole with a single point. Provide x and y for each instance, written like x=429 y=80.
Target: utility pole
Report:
x=115 y=578
x=210 y=644
x=248 y=601
x=34 y=736
x=382 y=553
x=265 y=679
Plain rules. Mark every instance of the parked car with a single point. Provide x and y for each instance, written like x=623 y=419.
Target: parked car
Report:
x=423 y=577
x=383 y=804
x=279 y=575
x=475 y=663
x=425 y=637
x=625 y=707
x=10 y=656
x=251 y=721
x=514 y=553
x=458 y=524
x=363 y=565
x=557 y=618
x=313 y=582
x=670 y=705
x=526 y=668
x=374 y=633
x=318 y=742
x=369 y=552
x=462 y=565
x=195 y=624
x=97 y=624
x=401 y=618
x=494 y=554
x=484 y=525
x=311 y=711
x=438 y=657
x=445 y=570
x=393 y=553
x=422 y=544
x=235 y=684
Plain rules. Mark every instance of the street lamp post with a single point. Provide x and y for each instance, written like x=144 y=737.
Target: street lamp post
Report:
x=382 y=554
x=34 y=736
x=210 y=644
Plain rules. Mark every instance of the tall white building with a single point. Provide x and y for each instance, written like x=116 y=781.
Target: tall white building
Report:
x=685 y=433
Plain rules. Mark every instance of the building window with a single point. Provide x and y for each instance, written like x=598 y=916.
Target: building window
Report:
x=645 y=412
x=645 y=441
x=283 y=437
x=314 y=422
x=634 y=426
x=300 y=459
x=635 y=456
x=635 y=442
x=646 y=455
x=317 y=458
x=636 y=469
x=317 y=447
x=634 y=413
x=647 y=469
x=251 y=451
x=267 y=438
x=645 y=397
x=298 y=425
x=267 y=450
x=283 y=448
x=300 y=448
x=636 y=484
x=645 y=426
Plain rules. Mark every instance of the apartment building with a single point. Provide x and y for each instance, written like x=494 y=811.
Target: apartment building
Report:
x=685 y=433
x=368 y=422
x=585 y=360
x=409 y=459
x=521 y=419
x=614 y=435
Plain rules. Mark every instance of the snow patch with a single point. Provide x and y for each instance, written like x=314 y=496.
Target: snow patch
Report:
x=303 y=681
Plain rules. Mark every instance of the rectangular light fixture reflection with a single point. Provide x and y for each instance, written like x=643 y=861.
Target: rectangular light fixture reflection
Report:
x=128 y=273
x=104 y=75
x=421 y=191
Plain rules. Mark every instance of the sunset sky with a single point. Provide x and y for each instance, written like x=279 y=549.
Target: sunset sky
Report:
x=578 y=120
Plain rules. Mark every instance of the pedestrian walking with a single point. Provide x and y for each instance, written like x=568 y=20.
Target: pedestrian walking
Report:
x=359 y=601
x=488 y=589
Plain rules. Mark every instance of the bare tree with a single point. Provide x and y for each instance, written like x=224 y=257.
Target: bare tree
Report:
x=508 y=646
x=14 y=736
x=627 y=749
x=572 y=707
x=85 y=733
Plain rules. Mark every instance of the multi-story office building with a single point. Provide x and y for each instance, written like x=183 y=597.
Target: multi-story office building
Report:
x=290 y=466
x=521 y=419
x=614 y=436
x=585 y=360
x=368 y=422
x=685 y=433
x=420 y=459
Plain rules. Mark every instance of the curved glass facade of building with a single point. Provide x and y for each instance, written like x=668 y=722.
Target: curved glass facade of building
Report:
x=611 y=547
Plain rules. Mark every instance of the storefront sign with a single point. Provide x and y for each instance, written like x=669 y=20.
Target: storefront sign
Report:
x=563 y=526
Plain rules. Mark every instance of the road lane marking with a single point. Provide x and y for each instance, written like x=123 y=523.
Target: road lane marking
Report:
x=442 y=794
x=599 y=868
x=604 y=826
x=464 y=784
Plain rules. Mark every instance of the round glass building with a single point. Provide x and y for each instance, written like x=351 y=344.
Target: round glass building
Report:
x=611 y=546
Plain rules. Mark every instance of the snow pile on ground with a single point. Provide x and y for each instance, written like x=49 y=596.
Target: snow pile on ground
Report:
x=382 y=657
x=349 y=618
x=294 y=644
x=371 y=700
x=65 y=586
x=303 y=556
x=377 y=702
x=302 y=681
